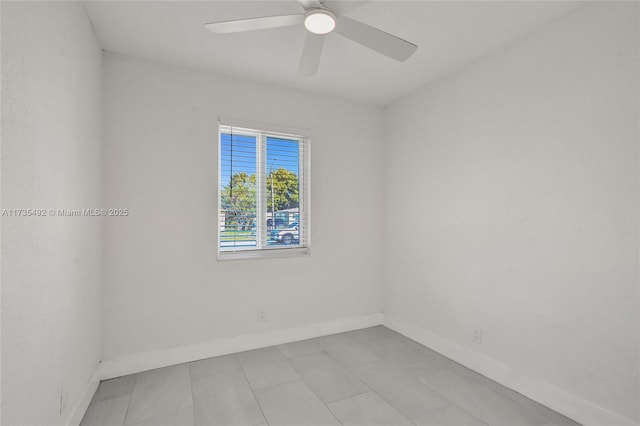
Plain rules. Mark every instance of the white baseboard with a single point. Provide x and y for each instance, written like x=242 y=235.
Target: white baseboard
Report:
x=78 y=413
x=135 y=363
x=546 y=394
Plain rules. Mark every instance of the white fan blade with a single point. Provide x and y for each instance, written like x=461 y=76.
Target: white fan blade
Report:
x=254 y=24
x=373 y=38
x=308 y=4
x=343 y=7
x=311 y=53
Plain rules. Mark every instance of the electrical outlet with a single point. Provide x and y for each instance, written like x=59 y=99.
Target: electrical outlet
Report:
x=262 y=316
x=477 y=335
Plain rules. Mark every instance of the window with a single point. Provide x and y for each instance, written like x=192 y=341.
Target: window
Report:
x=263 y=192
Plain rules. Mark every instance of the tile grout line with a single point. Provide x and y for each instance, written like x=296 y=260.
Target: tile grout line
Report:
x=353 y=340
x=348 y=368
x=484 y=389
x=452 y=404
x=135 y=382
x=193 y=401
x=340 y=365
x=413 y=377
x=369 y=390
x=264 y=417
x=277 y=384
x=314 y=392
x=366 y=384
x=479 y=378
x=478 y=382
x=391 y=405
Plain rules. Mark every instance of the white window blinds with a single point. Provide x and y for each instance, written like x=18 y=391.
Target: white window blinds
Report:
x=263 y=193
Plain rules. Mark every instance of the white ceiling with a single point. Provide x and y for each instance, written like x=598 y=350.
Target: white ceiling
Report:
x=449 y=34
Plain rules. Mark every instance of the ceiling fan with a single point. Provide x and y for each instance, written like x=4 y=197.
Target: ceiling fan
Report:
x=319 y=19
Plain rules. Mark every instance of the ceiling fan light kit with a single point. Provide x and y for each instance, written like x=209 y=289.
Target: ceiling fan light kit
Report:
x=319 y=21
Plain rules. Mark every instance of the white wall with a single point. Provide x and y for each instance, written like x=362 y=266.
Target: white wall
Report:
x=164 y=287
x=51 y=266
x=515 y=185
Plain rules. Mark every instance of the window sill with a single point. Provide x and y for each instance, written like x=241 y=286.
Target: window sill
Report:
x=264 y=254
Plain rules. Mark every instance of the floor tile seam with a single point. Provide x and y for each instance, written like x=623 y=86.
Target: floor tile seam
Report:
x=193 y=400
x=147 y=419
x=253 y=392
x=331 y=411
x=109 y=399
x=473 y=375
x=449 y=402
x=513 y=398
x=326 y=406
x=216 y=373
x=152 y=385
x=400 y=337
x=297 y=341
x=281 y=351
x=380 y=357
x=257 y=350
x=484 y=388
x=338 y=364
x=133 y=389
x=481 y=418
x=314 y=392
x=161 y=414
x=544 y=410
x=349 y=365
x=409 y=348
x=276 y=384
x=453 y=404
x=170 y=378
x=272 y=361
x=302 y=377
x=369 y=390
x=444 y=399
x=417 y=379
x=321 y=351
x=379 y=396
x=367 y=341
x=362 y=343
x=359 y=364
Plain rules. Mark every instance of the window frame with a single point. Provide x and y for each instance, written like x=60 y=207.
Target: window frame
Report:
x=262 y=132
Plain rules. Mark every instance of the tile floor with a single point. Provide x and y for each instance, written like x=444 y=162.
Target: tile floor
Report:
x=373 y=376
